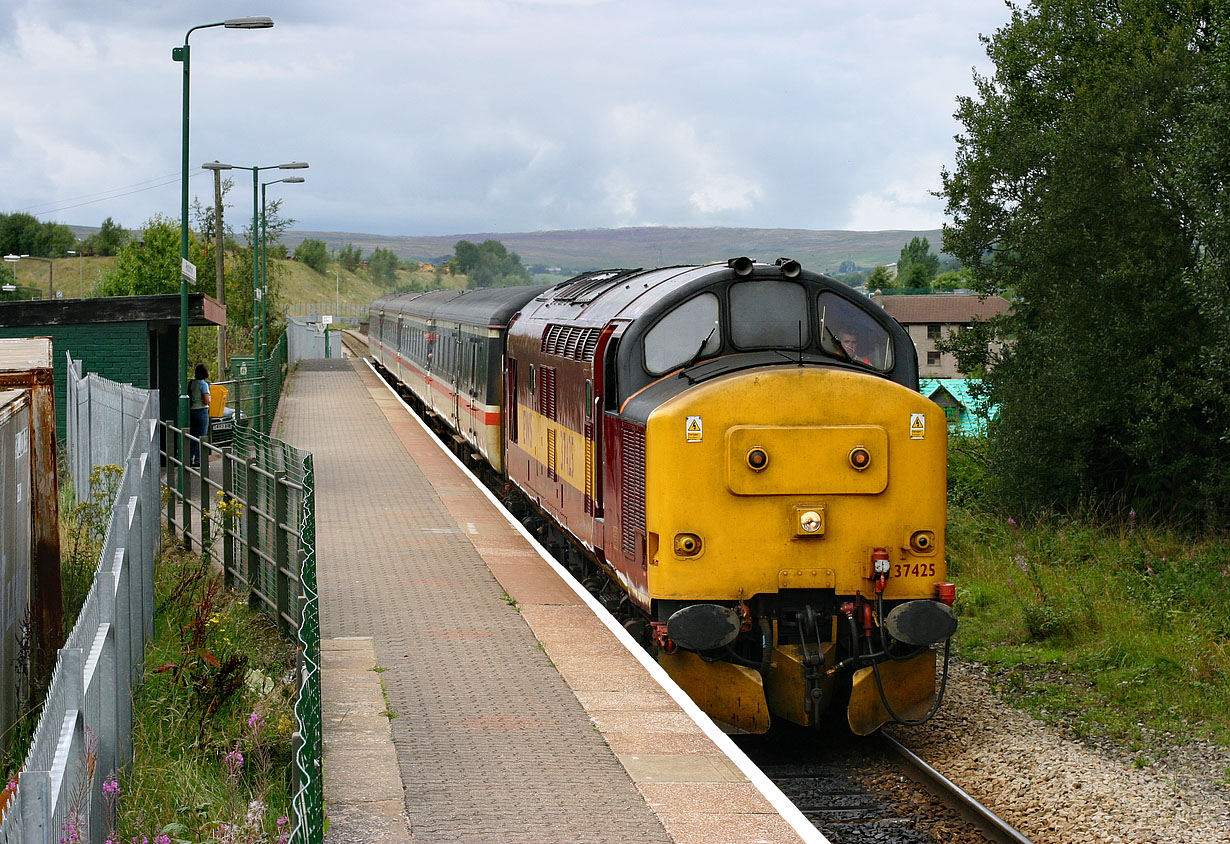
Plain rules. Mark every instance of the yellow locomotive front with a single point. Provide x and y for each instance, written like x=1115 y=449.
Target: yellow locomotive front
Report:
x=795 y=545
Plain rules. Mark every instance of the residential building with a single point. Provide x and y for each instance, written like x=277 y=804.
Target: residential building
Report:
x=931 y=317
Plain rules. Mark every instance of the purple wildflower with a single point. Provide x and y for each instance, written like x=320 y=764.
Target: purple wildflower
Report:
x=234 y=762
x=255 y=720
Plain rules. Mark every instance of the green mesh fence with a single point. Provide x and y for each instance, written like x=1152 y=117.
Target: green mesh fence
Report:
x=279 y=545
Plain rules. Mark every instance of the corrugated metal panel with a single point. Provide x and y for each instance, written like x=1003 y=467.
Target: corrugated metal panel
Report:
x=14 y=548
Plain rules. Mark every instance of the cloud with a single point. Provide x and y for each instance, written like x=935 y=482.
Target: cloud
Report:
x=454 y=116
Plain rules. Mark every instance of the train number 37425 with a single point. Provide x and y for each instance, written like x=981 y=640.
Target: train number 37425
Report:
x=915 y=570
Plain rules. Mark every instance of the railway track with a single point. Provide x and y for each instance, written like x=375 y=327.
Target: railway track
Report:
x=859 y=790
x=863 y=790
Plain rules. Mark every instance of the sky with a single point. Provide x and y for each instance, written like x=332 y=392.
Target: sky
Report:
x=439 y=117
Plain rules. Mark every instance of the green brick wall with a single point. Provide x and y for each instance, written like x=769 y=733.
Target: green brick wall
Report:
x=116 y=350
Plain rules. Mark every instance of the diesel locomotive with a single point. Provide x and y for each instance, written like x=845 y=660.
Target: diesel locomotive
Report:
x=734 y=457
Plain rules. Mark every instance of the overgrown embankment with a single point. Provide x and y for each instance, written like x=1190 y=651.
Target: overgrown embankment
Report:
x=1118 y=631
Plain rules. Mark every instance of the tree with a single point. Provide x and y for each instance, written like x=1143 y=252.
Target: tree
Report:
x=108 y=240
x=148 y=266
x=382 y=266
x=880 y=279
x=488 y=264
x=350 y=257
x=1072 y=193
x=23 y=234
x=917 y=265
x=313 y=253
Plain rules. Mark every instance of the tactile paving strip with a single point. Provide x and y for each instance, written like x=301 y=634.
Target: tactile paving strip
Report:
x=491 y=743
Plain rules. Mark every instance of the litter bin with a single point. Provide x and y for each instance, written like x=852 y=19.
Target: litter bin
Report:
x=221 y=417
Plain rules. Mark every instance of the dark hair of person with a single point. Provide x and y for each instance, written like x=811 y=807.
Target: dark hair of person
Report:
x=202 y=374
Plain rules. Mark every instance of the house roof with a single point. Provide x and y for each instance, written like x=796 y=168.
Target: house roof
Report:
x=941 y=308
x=973 y=419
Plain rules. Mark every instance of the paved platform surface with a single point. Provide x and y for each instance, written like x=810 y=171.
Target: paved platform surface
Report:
x=508 y=712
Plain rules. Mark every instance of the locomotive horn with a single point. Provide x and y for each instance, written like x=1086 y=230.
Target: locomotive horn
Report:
x=790 y=267
x=741 y=266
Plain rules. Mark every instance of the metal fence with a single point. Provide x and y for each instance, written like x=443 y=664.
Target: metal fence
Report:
x=102 y=418
x=85 y=730
x=349 y=313
x=311 y=340
x=270 y=552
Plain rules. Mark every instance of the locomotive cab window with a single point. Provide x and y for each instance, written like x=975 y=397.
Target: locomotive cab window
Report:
x=688 y=333
x=768 y=314
x=849 y=333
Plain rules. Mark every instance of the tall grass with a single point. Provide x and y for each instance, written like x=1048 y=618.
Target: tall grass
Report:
x=1119 y=630
x=213 y=719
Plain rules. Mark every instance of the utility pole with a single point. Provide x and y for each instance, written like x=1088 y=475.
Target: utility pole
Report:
x=220 y=375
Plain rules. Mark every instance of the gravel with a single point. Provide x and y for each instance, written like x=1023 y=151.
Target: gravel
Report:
x=1057 y=790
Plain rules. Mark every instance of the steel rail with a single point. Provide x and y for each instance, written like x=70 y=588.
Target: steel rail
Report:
x=991 y=825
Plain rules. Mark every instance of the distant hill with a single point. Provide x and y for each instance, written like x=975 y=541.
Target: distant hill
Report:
x=587 y=249
x=648 y=246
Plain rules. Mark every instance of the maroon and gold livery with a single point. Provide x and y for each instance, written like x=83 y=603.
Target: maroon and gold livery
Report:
x=742 y=450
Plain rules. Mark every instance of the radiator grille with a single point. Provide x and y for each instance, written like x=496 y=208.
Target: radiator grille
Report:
x=571 y=341
x=632 y=499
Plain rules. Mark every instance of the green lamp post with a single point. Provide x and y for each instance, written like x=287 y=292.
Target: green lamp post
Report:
x=181 y=54
x=264 y=281
x=256 y=267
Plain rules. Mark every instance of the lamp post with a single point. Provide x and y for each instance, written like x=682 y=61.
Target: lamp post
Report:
x=51 y=270
x=256 y=275
x=264 y=291
x=181 y=54
x=80 y=270
x=337 y=290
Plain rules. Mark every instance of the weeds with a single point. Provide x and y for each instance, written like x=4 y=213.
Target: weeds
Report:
x=213 y=720
x=1115 y=628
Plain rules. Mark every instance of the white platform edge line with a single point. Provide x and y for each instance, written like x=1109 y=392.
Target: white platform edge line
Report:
x=768 y=789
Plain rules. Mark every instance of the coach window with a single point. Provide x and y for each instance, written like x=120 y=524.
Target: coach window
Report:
x=768 y=314
x=848 y=332
x=689 y=332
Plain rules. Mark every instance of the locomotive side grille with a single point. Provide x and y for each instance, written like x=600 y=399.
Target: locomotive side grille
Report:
x=546 y=391
x=551 y=454
x=571 y=341
x=632 y=483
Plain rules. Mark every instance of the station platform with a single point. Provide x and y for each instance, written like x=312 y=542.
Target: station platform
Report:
x=470 y=694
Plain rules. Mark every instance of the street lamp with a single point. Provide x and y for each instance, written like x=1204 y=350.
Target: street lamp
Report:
x=264 y=288
x=256 y=276
x=337 y=290
x=181 y=54
x=80 y=271
x=51 y=270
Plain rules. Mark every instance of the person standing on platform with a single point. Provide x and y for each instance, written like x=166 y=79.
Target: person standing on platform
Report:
x=198 y=395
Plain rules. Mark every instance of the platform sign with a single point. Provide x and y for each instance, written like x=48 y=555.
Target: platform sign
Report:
x=188 y=269
x=326 y=319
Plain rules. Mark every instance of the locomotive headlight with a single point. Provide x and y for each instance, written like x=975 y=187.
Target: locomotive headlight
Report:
x=757 y=458
x=809 y=519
